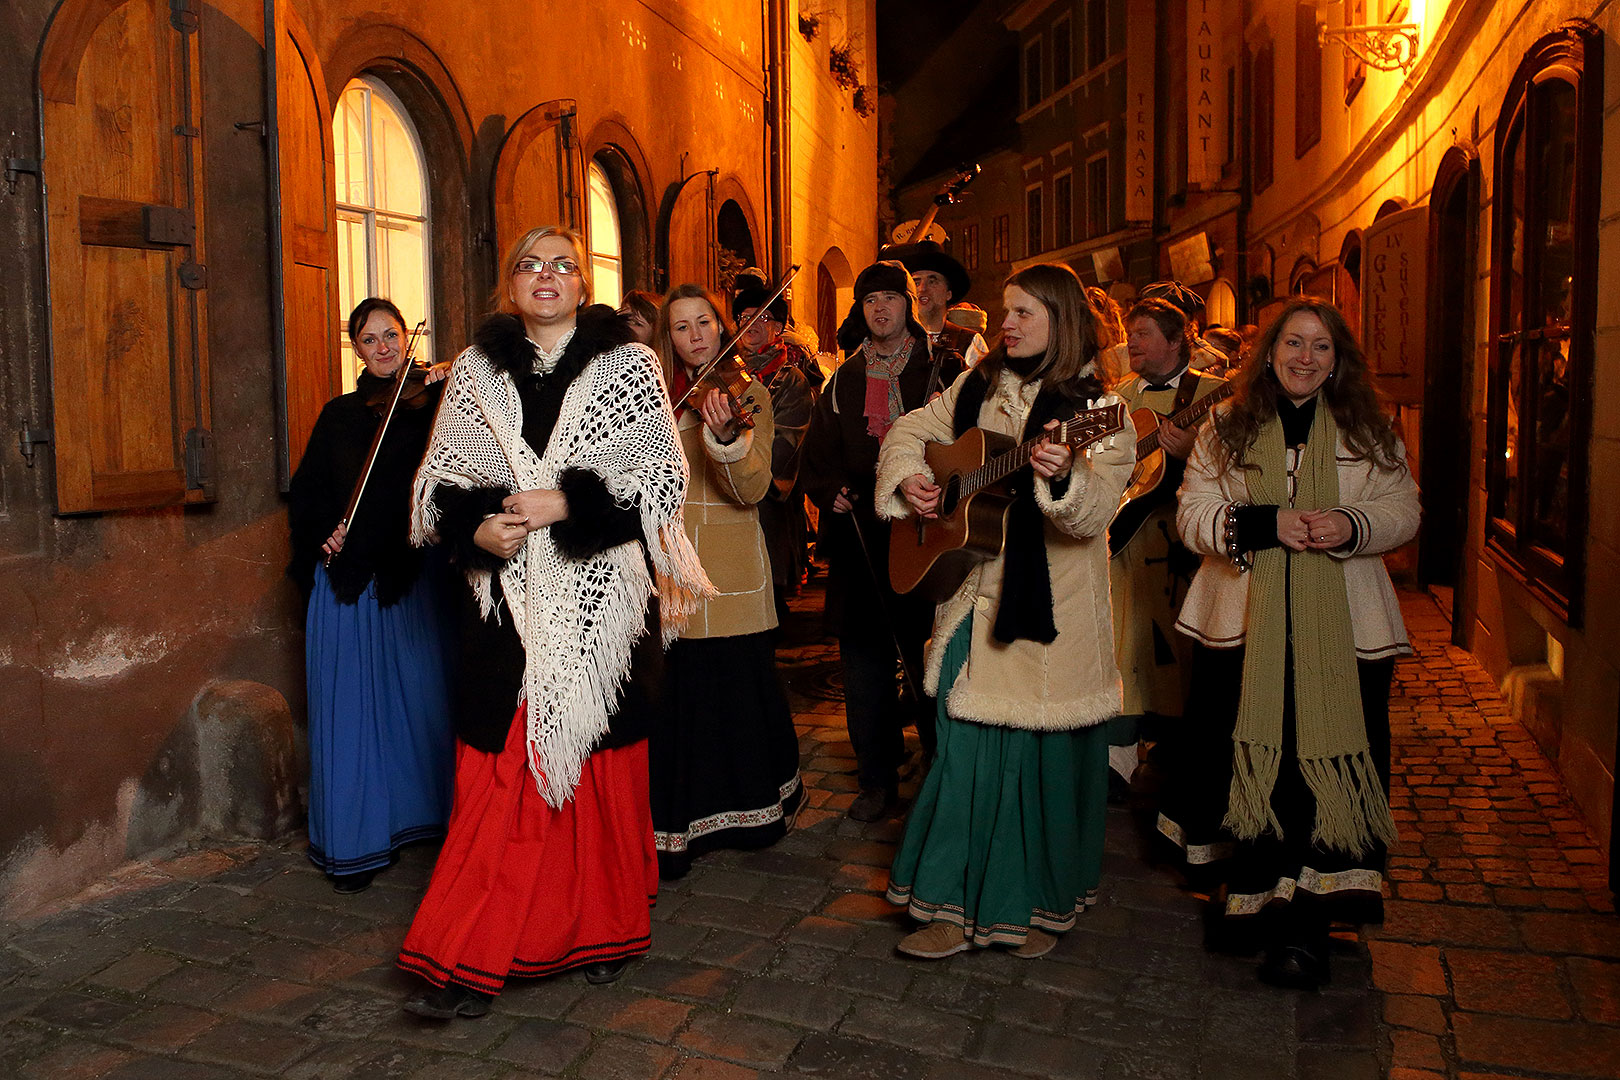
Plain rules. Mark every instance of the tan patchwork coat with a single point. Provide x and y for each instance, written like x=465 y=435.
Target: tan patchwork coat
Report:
x=722 y=520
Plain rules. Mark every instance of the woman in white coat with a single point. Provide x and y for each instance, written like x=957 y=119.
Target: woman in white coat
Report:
x=1291 y=496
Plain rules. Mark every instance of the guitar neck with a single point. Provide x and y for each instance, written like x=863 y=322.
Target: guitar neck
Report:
x=1079 y=430
x=1188 y=416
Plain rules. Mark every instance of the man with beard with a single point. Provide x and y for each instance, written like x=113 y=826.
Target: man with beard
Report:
x=941 y=282
x=889 y=370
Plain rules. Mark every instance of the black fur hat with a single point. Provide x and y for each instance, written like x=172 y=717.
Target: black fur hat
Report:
x=884 y=276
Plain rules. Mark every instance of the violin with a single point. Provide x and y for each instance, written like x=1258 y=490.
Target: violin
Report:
x=413 y=395
x=410 y=374
x=731 y=377
x=727 y=373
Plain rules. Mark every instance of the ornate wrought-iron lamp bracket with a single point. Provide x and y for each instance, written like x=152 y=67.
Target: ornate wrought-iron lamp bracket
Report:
x=1384 y=46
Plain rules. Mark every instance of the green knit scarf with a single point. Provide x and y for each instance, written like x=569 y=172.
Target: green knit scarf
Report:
x=1351 y=806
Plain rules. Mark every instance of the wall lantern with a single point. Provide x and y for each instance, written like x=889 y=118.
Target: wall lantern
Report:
x=1389 y=46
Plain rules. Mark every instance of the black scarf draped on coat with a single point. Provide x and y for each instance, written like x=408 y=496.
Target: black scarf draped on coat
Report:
x=1025 y=611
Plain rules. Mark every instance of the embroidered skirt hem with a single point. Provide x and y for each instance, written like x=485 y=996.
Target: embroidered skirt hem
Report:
x=1007 y=831
x=1266 y=872
x=724 y=758
x=524 y=890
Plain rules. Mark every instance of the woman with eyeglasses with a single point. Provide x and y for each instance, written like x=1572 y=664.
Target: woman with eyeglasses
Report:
x=555 y=477
x=725 y=758
x=379 y=710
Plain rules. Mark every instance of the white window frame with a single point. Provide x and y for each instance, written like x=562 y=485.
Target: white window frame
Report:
x=368 y=214
x=593 y=169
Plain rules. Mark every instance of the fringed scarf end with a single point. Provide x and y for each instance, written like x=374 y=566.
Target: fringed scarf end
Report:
x=1351 y=808
x=1254 y=774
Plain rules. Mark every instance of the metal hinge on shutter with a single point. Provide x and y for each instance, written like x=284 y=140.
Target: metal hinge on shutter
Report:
x=31 y=437
x=200 y=461
x=183 y=15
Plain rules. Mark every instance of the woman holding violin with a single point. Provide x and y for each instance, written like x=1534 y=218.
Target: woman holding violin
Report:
x=379 y=715
x=725 y=759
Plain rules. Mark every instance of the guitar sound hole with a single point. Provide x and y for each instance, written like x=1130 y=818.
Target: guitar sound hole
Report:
x=950 y=497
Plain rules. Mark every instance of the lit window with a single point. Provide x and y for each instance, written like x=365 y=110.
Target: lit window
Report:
x=382 y=208
x=1539 y=403
x=607 y=252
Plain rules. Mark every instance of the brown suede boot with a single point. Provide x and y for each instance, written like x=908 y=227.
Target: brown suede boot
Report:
x=935 y=941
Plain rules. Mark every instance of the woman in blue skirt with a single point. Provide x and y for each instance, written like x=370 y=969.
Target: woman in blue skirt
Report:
x=380 y=738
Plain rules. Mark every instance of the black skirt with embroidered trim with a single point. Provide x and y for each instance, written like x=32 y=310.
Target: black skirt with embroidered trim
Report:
x=1267 y=872
x=724 y=756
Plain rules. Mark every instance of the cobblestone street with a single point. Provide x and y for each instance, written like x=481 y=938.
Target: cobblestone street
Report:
x=1500 y=954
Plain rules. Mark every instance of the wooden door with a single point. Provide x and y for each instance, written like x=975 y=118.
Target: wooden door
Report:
x=120 y=83
x=691 y=234
x=538 y=176
x=311 y=351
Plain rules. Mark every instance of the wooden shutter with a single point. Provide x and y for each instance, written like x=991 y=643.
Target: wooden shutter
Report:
x=120 y=85
x=537 y=174
x=311 y=352
x=691 y=234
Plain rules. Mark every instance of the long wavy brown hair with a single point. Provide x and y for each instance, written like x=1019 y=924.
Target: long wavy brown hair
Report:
x=1349 y=391
x=1071 y=342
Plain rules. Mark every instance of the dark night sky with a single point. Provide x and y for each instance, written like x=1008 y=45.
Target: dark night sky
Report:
x=909 y=30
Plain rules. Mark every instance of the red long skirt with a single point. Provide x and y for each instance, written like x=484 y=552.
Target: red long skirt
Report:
x=521 y=889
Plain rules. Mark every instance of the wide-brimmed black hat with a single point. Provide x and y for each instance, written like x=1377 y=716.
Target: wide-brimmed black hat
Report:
x=928 y=255
x=755 y=296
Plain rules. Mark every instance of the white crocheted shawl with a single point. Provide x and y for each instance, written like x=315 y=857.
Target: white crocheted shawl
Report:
x=577 y=619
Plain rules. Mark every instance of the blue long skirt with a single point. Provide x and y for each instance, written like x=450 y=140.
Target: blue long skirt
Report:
x=381 y=744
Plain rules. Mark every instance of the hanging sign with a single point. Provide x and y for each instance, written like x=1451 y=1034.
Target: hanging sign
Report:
x=1394 y=302
x=1140 y=46
x=1206 y=92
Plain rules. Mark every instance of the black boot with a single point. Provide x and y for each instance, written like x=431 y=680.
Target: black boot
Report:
x=605 y=971
x=448 y=1002
x=1297 y=950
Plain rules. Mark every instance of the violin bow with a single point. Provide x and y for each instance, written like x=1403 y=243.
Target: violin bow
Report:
x=741 y=330
x=401 y=377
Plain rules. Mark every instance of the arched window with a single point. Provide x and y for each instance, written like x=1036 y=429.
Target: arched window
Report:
x=1221 y=307
x=1543 y=299
x=606 y=239
x=382 y=208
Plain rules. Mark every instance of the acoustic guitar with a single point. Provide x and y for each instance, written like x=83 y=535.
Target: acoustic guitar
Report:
x=1153 y=465
x=935 y=555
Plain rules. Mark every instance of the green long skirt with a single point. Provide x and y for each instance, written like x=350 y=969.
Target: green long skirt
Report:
x=1007 y=831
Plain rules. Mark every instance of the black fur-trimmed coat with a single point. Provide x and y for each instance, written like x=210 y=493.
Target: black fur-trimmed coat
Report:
x=490 y=654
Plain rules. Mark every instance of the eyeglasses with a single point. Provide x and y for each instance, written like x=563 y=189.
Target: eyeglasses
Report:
x=559 y=265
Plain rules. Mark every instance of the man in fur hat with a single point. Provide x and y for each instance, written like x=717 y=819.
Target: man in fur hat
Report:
x=941 y=282
x=889 y=369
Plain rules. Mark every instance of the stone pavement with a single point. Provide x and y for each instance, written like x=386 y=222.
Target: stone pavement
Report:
x=1498 y=957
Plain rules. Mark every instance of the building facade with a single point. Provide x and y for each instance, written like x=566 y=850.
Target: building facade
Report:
x=194 y=196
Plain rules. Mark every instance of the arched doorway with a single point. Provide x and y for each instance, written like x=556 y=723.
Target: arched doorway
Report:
x=835 y=281
x=735 y=240
x=1446 y=451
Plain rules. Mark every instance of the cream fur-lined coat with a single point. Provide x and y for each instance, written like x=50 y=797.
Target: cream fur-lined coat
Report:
x=1073 y=682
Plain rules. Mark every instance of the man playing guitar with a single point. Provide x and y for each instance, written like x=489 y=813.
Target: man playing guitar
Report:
x=1151 y=565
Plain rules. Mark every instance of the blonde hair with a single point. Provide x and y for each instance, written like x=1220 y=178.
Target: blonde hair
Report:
x=501 y=299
